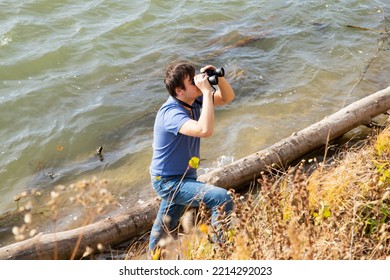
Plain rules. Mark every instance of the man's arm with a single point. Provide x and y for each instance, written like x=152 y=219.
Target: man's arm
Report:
x=224 y=94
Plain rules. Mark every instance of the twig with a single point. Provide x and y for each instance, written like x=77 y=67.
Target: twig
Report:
x=379 y=48
x=353 y=229
x=78 y=242
x=326 y=150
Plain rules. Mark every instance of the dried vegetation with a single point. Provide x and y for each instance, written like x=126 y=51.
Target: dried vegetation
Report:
x=333 y=210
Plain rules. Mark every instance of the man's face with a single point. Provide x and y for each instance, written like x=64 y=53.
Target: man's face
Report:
x=191 y=90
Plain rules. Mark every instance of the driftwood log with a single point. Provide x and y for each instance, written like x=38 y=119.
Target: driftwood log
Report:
x=120 y=228
x=301 y=143
x=72 y=244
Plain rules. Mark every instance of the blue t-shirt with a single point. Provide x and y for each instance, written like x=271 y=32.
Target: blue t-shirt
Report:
x=171 y=149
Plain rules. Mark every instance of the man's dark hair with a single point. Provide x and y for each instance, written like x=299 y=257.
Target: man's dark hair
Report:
x=175 y=75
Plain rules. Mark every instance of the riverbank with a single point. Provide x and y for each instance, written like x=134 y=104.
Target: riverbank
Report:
x=332 y=209
x=333 y=204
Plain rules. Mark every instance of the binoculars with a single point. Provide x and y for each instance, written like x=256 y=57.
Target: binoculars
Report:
x=213 y=75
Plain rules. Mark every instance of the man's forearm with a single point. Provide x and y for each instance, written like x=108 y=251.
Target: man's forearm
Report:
x=225 y=94
x=206 y=119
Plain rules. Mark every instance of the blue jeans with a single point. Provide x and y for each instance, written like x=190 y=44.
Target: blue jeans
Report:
x=176 y=198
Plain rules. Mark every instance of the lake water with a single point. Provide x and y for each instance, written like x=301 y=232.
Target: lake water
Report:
x=77 y=75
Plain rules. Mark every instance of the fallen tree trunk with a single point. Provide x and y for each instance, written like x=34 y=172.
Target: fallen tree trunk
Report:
x=108 y=232
x=118 y=229
x=301 y=143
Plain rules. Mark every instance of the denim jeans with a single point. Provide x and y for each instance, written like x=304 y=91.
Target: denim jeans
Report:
x=176 y=198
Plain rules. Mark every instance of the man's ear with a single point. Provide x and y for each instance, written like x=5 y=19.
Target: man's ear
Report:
x=178 y=91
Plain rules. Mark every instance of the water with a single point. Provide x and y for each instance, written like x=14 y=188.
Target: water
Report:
x=75 y=76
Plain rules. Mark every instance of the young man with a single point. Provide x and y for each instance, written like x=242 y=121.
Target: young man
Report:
x=183 y=119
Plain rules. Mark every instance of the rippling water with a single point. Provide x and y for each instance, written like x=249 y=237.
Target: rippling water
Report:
x=78 y=75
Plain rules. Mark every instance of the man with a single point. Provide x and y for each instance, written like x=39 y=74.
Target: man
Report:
x=183 y=119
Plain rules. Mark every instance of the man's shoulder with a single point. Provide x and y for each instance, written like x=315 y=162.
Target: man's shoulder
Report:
x=171 y=117
x=170 y=104
x=171 y=110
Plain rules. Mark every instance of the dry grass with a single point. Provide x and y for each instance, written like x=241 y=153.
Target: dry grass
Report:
x=341 y=210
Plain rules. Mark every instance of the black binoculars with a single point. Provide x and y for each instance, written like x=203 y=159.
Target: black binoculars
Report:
x=213 y=75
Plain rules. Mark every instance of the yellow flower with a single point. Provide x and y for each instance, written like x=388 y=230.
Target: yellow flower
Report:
x=231 y=233
x=194 y=162
x=156 y=254
x=203 y=228
x=326 y=213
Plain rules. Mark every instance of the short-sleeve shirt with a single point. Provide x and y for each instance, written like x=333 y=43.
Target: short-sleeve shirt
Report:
x=171 y=149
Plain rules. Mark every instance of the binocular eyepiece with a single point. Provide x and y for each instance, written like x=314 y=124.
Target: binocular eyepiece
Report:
x=213 y=75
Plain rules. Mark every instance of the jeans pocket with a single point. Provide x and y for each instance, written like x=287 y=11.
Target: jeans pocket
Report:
x=164 y=186
x=156 y=183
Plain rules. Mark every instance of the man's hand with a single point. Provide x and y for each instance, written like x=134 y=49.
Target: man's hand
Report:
x=202 y=83
x=208 y=67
